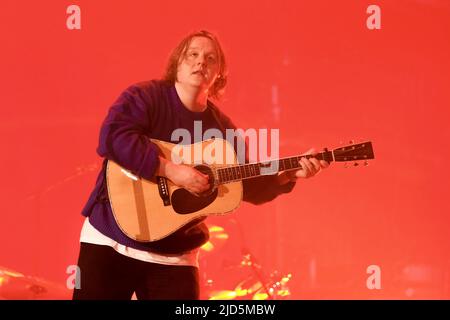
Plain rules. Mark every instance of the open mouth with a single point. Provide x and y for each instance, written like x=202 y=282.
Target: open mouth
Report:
x=200 y=73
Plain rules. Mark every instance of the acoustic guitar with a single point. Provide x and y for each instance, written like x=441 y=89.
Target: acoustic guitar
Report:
x=150 y=210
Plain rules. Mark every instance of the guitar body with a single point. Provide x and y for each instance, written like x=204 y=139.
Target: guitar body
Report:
x=149 y=210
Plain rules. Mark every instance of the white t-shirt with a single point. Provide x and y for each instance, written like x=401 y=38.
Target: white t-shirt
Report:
x=91 y=235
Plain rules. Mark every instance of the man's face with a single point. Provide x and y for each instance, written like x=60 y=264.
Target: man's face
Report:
x=200 y=66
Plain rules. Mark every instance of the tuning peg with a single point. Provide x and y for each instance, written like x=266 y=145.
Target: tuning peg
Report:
x=346 y=165
x=351 y=142
x=366 y=163
x=356 y=164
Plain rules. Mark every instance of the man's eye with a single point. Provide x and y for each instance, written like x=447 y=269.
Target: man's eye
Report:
x=193 y=54
x=212 y=59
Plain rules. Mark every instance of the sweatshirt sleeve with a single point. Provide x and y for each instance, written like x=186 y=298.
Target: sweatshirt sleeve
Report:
x=124 y=133
x=264 y=188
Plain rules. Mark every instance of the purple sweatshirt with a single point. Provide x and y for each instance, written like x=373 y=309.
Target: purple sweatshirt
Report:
x=153 y=109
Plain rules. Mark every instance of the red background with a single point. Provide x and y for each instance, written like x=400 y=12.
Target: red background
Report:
x=336 y=81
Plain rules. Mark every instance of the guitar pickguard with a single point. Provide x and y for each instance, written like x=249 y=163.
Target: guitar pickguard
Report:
x=184 y=202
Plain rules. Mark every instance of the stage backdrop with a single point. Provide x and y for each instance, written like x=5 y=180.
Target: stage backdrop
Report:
x=323 y=72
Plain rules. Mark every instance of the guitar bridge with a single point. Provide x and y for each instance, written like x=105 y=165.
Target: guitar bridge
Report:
x=163 y=190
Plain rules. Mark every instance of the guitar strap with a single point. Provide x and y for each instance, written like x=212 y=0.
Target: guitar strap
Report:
x=214 y=112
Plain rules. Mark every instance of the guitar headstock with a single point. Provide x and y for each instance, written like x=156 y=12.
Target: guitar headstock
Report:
x=354 y=152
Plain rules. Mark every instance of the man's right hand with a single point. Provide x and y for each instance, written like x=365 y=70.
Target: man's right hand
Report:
x=184 y=176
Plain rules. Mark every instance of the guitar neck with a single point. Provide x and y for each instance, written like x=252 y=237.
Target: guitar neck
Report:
x=252 y=170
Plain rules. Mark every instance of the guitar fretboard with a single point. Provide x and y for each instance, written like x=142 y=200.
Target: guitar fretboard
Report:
x=252 y=170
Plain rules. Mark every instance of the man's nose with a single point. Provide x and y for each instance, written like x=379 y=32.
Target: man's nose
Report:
x=201 y=60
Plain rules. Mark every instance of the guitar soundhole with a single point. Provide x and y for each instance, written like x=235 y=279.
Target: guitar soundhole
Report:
x=184 y=202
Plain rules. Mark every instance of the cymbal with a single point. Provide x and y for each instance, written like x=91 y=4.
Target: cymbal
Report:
x=217 y=238
x=277 y=288
x=222 y=295
x=253 y=289
x=16 y=286
x=243 y=291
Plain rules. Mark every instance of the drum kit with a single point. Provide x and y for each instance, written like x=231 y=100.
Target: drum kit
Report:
x=255 y=282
